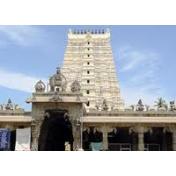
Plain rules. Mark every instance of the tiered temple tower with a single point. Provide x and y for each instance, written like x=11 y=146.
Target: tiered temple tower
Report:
x=89 y=60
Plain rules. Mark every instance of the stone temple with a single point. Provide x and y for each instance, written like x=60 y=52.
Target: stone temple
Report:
x=81 y=107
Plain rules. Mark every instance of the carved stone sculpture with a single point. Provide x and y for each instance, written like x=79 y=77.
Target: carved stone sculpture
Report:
x=9 y=105
x=147 y=107
x=132 y=107
x=56 y=97
x=75 y=86
x=140 y=106
x=58 y=82
x=40 y=87
x=172 y=106
x=104 y=105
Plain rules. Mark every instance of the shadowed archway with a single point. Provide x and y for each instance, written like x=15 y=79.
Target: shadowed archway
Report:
x=56 y=129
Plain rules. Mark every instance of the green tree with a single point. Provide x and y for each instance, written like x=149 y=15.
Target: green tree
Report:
x=160 y=103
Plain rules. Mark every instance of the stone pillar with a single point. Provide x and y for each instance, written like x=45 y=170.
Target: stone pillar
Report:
x=105 y=131
x=172 y=129
x=174 y=139
x=76 y=136
x=35 y=129
x=105 y=139
x=140 y=130
x=34 y=144
x=141 y=141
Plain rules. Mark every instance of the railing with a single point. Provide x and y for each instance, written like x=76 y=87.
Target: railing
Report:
x=151 y=147
x=120 y=146
x=129 y=147
x=133 y=113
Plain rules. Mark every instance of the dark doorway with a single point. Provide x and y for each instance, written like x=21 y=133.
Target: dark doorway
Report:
x=121 y=140
x=55 y=131
x=158 y=140
x=153 y=140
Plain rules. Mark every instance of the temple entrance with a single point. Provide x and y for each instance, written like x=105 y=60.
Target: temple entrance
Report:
x=121 y=140
x=56 y=131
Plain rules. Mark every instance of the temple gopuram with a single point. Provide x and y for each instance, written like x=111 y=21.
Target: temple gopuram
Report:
x=81 y=108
